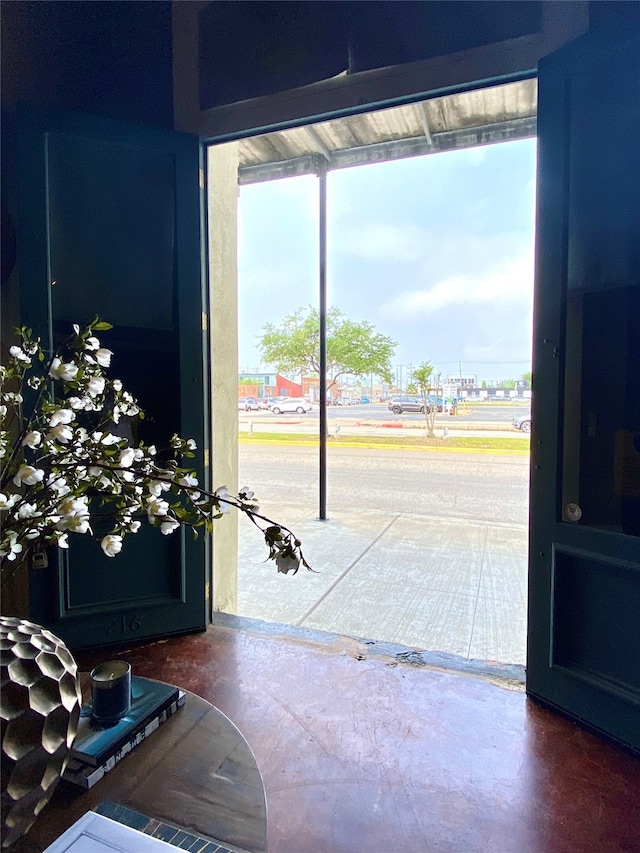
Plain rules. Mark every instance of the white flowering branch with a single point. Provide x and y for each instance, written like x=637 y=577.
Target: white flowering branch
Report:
x=65 y=465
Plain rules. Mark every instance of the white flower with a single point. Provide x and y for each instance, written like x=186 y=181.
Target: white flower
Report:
x=95 y=386
x=155 y=507
x=74 y=506
x=134 y=526
x=61 y=416
x=8 y=501
x=156 y=487
x=18 y=354
x=246 y=493
x=188 y=480
x=32 y=439
x=63 y=540
x=65 y=372
x=27 y=511
x=62 y=433
x=105 y=438
x=58 y=484
x=191 y=444
x=222 y=494
x=76 y=524
x=10 y=547
x=116 y=384
x=126 y=458
x=286 y=562
x=151 y=450
x=103 y=357
x=28 y=475
x=32 y=533
x=109 y=438
x=169 y=526
x=91 y=343
x=111 y=544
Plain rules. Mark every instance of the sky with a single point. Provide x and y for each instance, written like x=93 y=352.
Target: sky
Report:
x=435 y=251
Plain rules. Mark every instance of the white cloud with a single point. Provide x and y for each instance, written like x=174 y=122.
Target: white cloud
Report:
x=509 y=282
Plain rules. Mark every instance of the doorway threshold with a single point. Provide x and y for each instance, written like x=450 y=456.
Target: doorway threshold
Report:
x=506 y=675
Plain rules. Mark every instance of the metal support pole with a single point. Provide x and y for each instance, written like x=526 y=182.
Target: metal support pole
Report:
x=322 y=176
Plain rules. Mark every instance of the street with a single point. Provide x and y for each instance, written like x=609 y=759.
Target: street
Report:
x=446 y=484
x=494 y=413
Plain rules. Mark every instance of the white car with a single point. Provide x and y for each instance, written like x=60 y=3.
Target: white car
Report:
x=290 y=404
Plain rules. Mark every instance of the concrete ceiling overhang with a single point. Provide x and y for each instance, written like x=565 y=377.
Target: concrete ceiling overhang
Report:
x=463 y=120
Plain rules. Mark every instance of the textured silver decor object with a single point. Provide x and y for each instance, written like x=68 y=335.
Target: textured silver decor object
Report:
x=40 y=701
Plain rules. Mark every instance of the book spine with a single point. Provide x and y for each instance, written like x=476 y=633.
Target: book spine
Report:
x=115 y=746
x=84 y=774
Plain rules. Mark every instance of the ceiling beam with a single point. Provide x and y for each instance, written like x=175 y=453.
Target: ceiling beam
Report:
x=319 y=145
x=424 y=121
x=397 y=149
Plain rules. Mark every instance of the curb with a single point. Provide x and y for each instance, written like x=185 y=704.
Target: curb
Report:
x=371 y=445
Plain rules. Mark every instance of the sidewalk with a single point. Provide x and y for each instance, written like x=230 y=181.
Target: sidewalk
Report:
x=433 y=584
x=344 y=426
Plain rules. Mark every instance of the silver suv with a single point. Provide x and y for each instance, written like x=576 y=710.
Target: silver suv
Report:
x=406 y=404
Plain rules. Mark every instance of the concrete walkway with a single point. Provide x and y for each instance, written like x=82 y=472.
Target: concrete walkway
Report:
x=427 y=583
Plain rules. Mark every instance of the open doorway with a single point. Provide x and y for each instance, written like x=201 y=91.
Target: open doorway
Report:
x=425 y=544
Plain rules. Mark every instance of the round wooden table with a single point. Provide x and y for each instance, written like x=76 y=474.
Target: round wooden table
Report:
x=196 y=772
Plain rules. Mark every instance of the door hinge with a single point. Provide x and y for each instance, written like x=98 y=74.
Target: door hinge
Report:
x=201 y=178
x=206 y=457
x=207 y=591
x=205 y=321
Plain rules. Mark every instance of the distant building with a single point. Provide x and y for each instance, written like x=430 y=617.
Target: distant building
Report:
x=267 y=385
x=467 y=380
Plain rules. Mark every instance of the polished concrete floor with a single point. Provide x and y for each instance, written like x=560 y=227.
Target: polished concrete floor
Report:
x=365 y=751
x=445 y=585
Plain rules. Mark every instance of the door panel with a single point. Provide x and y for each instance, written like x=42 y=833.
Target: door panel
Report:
x=109 y=224
x=584 y=589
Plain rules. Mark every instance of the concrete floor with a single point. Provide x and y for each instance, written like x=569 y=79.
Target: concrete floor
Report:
x=427 y=583
x=362 y=752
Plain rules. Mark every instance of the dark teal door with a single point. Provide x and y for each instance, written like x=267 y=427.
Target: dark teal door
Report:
x=109 y=224
x=584 y=591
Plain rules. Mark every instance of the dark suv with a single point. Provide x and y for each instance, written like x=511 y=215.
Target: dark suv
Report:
x=406 y=404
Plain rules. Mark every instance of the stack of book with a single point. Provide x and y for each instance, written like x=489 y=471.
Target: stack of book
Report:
x=98 y=748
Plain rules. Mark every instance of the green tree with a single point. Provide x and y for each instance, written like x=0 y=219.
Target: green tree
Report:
x=484 y=383
x=527 y=377
x=293 y=346
x=426 y=383
x=412 y=389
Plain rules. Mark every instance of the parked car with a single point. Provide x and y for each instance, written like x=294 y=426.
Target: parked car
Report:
x=365 y=399
x=263 y=402
x=290 y=404
x=397 y=405
x=523 y=423
x=248 y=404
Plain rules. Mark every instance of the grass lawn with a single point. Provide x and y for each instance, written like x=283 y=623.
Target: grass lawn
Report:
x=474 y=443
